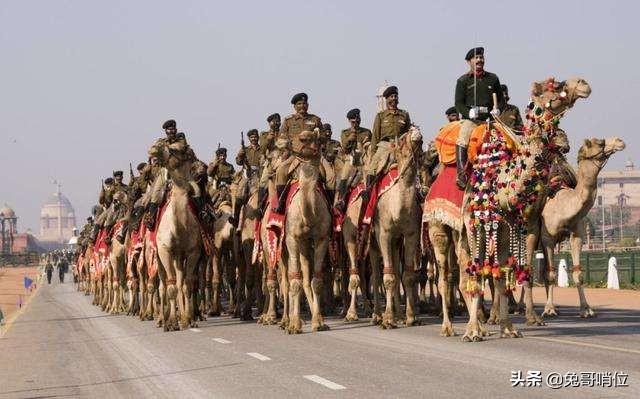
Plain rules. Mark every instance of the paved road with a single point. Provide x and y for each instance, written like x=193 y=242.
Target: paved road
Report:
x=62 y=346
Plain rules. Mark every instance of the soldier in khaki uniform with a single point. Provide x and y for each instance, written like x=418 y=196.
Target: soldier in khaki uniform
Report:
x=136 y=189
x=452 y=114
x=268 y=138
x=328 y=144
x=221 y=173
x=104 y=200
x=388 y=125
x=354 y=137
x=249 y=158
x=180 y=152
x=511 y=114
x=301 y=129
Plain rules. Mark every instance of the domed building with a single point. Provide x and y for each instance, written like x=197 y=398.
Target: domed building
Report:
x=12 y=242
x=57 y=219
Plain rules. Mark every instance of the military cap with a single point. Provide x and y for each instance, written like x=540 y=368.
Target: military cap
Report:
x=473 y=52
x=108 y=180
x=89 y=219
x=353 y=114
x=221 y=151
x=389 y=91
x=451 y=110
x=252 y=132
x=168 y=124
x=273 y=116
x=299 y=97
x=117 y=173
x=326 y=127
x=141 y=166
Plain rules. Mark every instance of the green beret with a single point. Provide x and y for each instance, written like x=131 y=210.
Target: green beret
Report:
x=299 y=97
x=252 y=132
x=273 y=116
x=117 y=173
x=451 y=110
x=389 y=91
x=473 y=52
x=353 y=114
x=168 y=124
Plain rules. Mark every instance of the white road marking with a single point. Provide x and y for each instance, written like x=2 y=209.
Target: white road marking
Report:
x=258 y=356
x=586 y=344
x=196 y=330
x=322 y=381
x=221 y=341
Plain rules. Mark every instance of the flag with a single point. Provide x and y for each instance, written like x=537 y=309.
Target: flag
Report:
x=27 y=282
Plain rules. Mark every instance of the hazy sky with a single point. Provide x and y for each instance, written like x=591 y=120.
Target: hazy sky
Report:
x=86 y=85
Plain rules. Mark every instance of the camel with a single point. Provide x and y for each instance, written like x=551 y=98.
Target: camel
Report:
x=179 y=243
x=222 y=257
x=564 y=214
x=396 y=225
x=307 y=233
x=550 y=101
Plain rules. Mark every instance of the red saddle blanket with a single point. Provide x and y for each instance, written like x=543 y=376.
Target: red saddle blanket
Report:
x=276 y=224
x=339 y=217
x=380 y=187
x=444 y=200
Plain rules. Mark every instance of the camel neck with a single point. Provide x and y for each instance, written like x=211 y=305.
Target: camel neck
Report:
x=586 y=186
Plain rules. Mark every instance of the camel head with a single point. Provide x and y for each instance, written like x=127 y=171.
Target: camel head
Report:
x=160 y=152
x=551 y=99
x=599 y=150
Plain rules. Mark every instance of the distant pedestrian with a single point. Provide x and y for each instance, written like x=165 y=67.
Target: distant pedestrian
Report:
x=62 y=269
x=49 y=270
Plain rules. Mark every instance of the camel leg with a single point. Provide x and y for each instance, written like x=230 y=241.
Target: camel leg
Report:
x=475 y=330
x=388 y=277
x=374 y=258
x=285 y=294
x=214 y=305
x=576 y=274
x=409 y=277
x=270 y=314
x=173 y=289
x=319 y=252
x=251 y=279
x=189 y=285
x=495 y=304
x=531 y=316
x=163 y=310
x=441 y=239
x=549 y=279
x=354 y=278
x=507 y=330
x=295 y=276
x=180 y=296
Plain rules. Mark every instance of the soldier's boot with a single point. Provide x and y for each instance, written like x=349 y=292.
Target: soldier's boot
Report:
x=152 y=211
x=281 y=192
x=262 y=196
x=461 y=167
x=94 y=233
x=341 y=203
x=122 y=233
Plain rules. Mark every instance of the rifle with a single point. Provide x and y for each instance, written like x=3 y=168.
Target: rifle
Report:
x=245 y=163
x=130 y=174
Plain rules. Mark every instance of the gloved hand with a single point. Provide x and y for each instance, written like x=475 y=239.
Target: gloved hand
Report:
x=495 y=112
x=473 y=113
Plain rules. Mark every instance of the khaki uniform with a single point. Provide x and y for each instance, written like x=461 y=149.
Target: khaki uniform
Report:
x=352 y=139
x=252 y=157
x=388 y=125
x=221 y=173
x=267 y=141
x=180 y=152
x=299 y=130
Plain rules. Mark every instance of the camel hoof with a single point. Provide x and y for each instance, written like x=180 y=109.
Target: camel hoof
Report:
x=507 y=333
x=284 y=323
x=493 y=319
x=447 y=330
x=320 y=327
x=587 y=313
x=376 y=319
x=472 y=337
x=412 y=322
x=550 y=311
x=535 y=321
x=351 y=316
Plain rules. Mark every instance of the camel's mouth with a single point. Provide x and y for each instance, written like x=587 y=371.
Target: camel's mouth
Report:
x=614 y=145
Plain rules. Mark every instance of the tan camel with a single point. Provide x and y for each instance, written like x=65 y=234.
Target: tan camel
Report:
x=564 y=214
x=222 y=257
x=117 y=262
x=179 y=242
x=396 y=225
x=307 y=233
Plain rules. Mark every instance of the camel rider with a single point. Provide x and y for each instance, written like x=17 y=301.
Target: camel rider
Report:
x=250 y=159
x=180 y=152
x=333 y=163
x=104 y=200
x=354 y=140
x=327 y=144
x=388 y=125
x=474 y=101
x=268 y=138
x=109 y=216
x=452 y=114
x=510 y=115
x=137 y=187
x=300 y=129
x=85 y=233
x=353 y=137
x=221 y=173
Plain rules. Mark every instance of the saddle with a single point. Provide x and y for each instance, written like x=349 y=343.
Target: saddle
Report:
x=448 y=135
